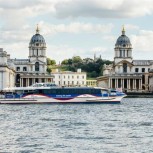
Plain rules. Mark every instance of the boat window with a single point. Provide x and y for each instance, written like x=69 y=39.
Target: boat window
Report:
x=67 y=91
x=40 y=91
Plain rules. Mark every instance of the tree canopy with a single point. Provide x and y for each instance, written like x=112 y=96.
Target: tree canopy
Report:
x=94 y=68
x=51 y=62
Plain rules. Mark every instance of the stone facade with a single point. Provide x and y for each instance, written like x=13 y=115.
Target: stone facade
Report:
x=7 y=71
x=33 y=69
x=126 y=73
x=68 y=78
x=25 y=72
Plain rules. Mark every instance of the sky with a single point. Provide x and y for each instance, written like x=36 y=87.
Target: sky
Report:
x=77 y=27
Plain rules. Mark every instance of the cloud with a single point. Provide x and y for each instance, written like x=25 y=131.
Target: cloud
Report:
x=75 y=27
x=61 y=52
x=143 y=41
x=104 y=9
x=142 y=44
x=17 y=50
x=17 y=12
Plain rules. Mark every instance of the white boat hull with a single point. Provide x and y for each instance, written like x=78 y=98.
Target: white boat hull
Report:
x=85 y=100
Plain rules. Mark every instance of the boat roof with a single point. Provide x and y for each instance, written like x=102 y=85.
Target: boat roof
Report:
x=53 y=87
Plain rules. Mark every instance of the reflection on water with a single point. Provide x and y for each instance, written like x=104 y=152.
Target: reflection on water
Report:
x=121 y=128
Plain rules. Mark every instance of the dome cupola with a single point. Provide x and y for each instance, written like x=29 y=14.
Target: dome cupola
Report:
x=37 y=47
x=123 y=40
x=123 y=48
x=37 y=38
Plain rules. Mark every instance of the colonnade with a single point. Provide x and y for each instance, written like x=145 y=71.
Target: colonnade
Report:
x=130 y=83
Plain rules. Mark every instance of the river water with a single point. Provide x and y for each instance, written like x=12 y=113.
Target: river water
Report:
x=79 y=128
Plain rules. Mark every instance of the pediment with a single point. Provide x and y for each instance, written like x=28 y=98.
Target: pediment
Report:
x=124 y=61
x=34 y=61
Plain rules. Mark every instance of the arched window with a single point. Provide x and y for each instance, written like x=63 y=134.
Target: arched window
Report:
x=124 y=67
x=37 y=66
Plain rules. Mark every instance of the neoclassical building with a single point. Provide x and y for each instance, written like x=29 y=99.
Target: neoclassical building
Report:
x=7 y=71
x=33 y=69
x=126 y=73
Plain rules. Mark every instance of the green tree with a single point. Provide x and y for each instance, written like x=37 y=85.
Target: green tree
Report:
x=70 y=61
x=48 y=61
x=76 y=59
x=51 y=62
x=49 y=70
x=65 y=62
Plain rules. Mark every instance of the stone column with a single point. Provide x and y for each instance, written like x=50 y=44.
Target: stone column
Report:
x=108 y=82
x=133 y=83
x=33 y=80
x=20 y=82
x=129 y=84
x=123 y=84
x=141 y=84
x=27 y=81
x=117 y=83
x=111 y=82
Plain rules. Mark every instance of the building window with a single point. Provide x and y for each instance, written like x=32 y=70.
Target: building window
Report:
x=77 y=77
x=82 y=77
x=68 y=76
x=59 y=76
x=136 y=70
x=143 y=69
x=37 y=66
x=64 y=76
x=72 y=77
x=18 y=79
x=148 y=69
x=83 y=82
x=124 y=67
x=120 y=53
x=18 y=69
x=36 y=80
x=37 y=52
x=24 y=68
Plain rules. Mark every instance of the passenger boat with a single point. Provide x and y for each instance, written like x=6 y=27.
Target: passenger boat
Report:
x=52 y=94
